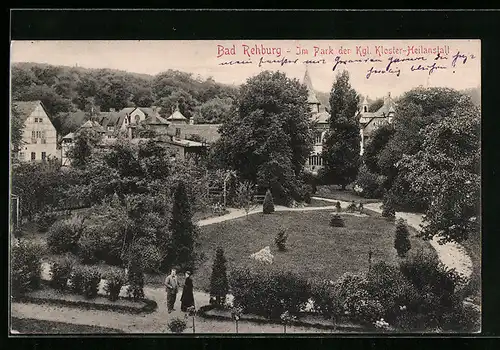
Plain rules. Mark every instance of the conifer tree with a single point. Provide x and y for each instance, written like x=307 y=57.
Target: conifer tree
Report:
x=268 y=206
x=402 y=239
x=219 y=285
x=181 y=247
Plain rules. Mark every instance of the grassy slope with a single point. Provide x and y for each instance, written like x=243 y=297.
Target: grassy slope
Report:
x=314 y=248
x=31 y=326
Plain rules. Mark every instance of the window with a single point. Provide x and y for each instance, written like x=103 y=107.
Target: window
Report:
x=177 y=132
x=317 y=138
x=33 y=155
x=44 y=156
x=40 y=120
x=365 y=109
x=315 y=160
x=44 y=141
x=21 y=155
x=33 y=134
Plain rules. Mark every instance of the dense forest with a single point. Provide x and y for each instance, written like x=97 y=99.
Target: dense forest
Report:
x=72 y=94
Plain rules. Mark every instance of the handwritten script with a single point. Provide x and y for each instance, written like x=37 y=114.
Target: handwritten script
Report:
x=375 y=60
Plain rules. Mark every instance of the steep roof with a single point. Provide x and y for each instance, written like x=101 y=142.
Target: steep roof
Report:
x=208 y=132
x=389 y=106
x=93 y=124
x=177 y=115
x=155 y=119
x=321 y=117
x=311 y=98
x=25 y=108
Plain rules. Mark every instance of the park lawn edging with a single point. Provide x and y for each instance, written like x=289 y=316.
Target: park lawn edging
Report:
x=101 y=302
x=313 y=321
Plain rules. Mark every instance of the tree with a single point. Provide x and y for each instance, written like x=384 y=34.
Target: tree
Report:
x=378 y=140
x=81 y=151
x=245 y=196
x=402 y=239
x=416 y=110
x=183 y=230
x=342 y=144
x=270 y=134
x=268 y=206
x=446 y=170
x=219 y=285
x=16 y=129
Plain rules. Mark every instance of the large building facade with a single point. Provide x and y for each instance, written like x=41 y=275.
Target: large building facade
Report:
x=39 y=140
x=370 y=121
x=320 y=117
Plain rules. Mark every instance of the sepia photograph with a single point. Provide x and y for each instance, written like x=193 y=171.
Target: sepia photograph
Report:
x=245 y=186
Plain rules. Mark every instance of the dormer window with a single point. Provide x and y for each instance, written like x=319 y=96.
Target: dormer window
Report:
x=365 y=109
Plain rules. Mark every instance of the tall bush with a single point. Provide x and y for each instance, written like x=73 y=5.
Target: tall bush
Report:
x=135 y=279
x=388 y=210
x=61 y=272
x=77 y=279
x=219 y=285
x=91 y=280
x=280 y=239
x=115 y=279
x=26 y=267
x=402 y=239
x=63 y=235
x=268 y=206
x=269 y=294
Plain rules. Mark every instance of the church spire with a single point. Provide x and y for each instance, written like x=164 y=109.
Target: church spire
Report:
x=311 y=99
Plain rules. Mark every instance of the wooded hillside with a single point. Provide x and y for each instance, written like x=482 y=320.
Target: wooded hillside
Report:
x=65 y=91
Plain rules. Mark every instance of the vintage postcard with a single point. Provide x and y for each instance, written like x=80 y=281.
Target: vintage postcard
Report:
x=246 y=186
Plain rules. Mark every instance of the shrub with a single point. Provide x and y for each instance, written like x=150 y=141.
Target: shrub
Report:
x=352 y=207
x=388 y=210
x=325 y=302
x=338 y=207
x=219 y=285
x=91 y=280
x=465 y=318
x=269 y=294
x=61 y=272
x=26 y=267
x=77 y=279
x=395 y=293
x=307 y=197
x=135 y=279
x=402 y=240
x=63 y=236
x=280 y=239
x=360 y=208
x=370 y=184
x=337 y=221
x=436 y=287
x=268 y=206
x=352 y=293
x=89 y=246
x=45 y=220
x=177 y=325
x=115 y=279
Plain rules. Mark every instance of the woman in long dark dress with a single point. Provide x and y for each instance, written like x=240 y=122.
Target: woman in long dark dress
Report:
x=187 y=298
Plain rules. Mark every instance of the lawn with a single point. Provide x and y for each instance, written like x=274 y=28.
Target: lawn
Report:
x=33 y=326
x=315 y=250
x=348 y=195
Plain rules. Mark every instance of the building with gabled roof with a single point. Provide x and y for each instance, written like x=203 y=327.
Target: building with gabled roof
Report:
x=369 y=121
x=39 y=139
x=177 y=117
x=320 y=117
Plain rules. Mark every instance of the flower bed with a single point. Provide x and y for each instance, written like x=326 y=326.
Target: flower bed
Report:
x=101 y=302
x=307 y=319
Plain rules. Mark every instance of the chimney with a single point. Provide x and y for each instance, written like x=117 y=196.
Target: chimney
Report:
x=191 y=121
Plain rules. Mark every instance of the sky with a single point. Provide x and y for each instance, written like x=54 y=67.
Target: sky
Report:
x=408 y=67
